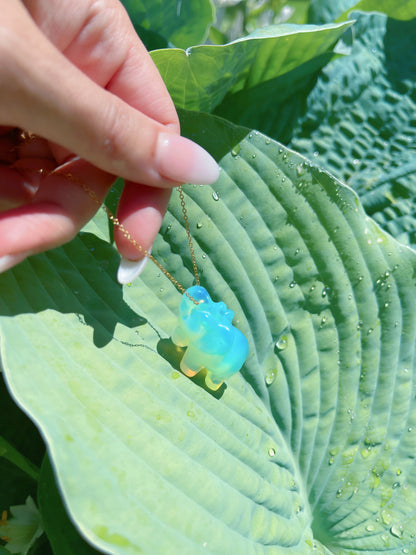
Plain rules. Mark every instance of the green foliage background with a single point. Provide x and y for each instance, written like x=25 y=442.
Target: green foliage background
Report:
x=309 y=236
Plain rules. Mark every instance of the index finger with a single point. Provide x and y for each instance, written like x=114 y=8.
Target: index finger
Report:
x=101 y=41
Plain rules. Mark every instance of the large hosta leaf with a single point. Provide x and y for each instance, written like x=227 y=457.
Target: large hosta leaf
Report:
x=360 y=121
x=325 y=11
x=316 y=435
x=200 y=77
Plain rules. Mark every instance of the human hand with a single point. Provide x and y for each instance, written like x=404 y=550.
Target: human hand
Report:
x=76 y=75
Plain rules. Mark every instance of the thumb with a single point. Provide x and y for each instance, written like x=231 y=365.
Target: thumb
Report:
x=44 y=92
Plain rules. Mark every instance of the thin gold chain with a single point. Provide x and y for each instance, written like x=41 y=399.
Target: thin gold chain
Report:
x=188 y=233
x=27 y=136
x=133 y=241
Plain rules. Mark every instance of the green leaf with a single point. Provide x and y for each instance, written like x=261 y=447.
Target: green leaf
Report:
x=200 y=77
x=327 y=11
x=398 y=9
x=318 y=430
x=61 y=533
x=21 y=450
x=359 y=121
x=181 y=22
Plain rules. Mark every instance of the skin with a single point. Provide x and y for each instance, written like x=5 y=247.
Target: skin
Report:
x=76 y=75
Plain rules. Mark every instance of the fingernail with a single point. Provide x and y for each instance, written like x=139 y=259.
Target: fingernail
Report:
x=130 y=269
x=9 y=260
x=183 y=161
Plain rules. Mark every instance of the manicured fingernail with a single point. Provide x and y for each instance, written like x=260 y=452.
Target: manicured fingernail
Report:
x=183 y=161
x=9 y=260
x=130 y=269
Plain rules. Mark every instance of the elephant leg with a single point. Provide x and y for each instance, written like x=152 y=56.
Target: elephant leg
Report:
x=180 y=337
x=212 y=382
x=192 y=362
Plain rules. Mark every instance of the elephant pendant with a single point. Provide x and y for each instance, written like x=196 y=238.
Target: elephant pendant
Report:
x=212 y=341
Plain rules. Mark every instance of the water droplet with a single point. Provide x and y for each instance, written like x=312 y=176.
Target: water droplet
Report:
x=370 y=528
x=267 y=141
x=339 y=492
x=281 y=343
x=360 y=324
x=270 y=376
x=326 y=291
x=396 y=485
x=386 y=517
x=297 y=251
x=331 y=460
x=235 y=150
x=215 y=196
x=300 y=170
x=396 y=530
x=272 y=452
x=316 y=154
x=253 y=156
x=199 y=225
x=292 y=284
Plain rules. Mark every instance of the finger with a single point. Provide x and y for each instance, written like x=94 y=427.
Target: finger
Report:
x=140 y=211
x=101 y=41
x=59 y=209
x=15 y=189
x=59 y=102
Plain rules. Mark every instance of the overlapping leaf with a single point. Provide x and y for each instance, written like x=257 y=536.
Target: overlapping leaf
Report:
x=360 y=121
x=200 y=77
x=327 y=301
x=181 y=22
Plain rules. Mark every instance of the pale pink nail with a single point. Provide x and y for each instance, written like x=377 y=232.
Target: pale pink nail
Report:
x=181 y=160
x=129 y=270
x=9 y=260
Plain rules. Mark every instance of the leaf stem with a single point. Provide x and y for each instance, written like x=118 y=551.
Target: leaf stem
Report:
x=14 y=456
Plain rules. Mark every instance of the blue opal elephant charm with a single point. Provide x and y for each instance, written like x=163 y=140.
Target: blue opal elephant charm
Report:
x=213 y=342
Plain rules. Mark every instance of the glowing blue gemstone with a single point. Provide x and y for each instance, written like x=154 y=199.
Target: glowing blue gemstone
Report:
x=213 y=342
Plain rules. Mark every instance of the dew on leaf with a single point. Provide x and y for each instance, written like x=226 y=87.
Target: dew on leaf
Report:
x=386 y=517
x=235 y=150
x=370 y=528
x=215 y=196
x=272 y=452
x=281 y=343
x=270 y=376
x=397 y=530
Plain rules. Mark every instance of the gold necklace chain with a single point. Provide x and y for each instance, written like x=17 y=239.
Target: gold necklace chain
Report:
x=133 y=241
x=26 y=137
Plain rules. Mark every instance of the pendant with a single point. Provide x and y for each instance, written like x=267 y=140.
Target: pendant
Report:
x=212 y=341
